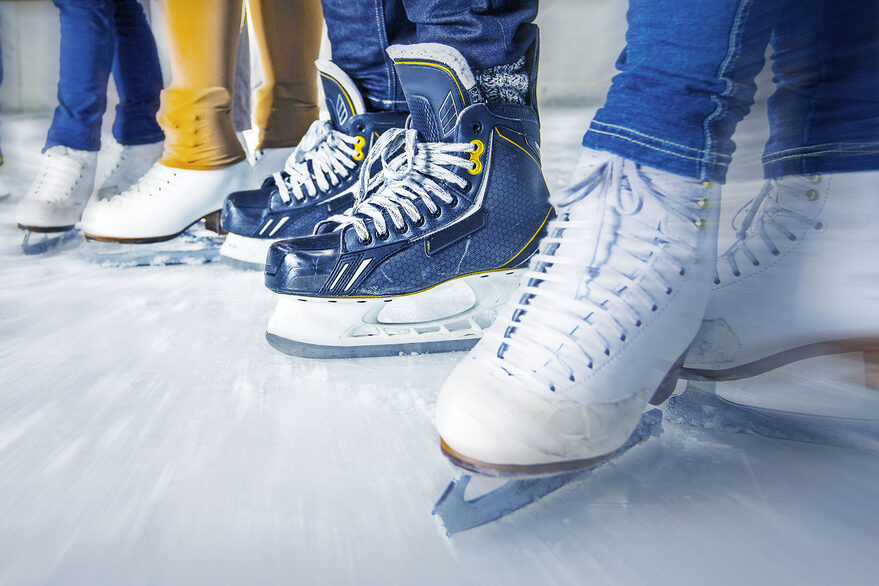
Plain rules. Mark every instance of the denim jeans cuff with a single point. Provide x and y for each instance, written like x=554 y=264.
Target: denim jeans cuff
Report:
x=656 y=152
x=825 y=158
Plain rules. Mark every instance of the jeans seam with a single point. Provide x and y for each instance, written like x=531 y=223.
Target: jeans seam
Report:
x=383 y=40
x=661 y=140
x=723 y=74
x=651 y=147
x=817 y=146
x=767 y=161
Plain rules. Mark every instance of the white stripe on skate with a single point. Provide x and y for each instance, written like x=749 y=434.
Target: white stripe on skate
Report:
x=264 y=228
x=358 y=272
x=339 y=276
x=277 y=227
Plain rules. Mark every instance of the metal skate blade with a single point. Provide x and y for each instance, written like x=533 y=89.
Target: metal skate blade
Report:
x=459 y=511
x=37 y=241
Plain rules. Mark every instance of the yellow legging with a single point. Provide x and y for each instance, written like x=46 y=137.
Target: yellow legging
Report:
x=196 y=111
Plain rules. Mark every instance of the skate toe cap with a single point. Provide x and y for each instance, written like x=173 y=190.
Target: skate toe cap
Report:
x=244 y=212
x=498 y=422
x=301 y=265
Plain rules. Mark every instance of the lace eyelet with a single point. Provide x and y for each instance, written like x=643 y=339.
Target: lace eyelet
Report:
x=818 y=226
x=420 y=221
x=682 y=272
x=623 y=338
x=654 y=308
x=775 y=253
x=737 y=273
x=792 y=238
x=402 y=230
x=756 y=263
x=668 y=291
x=438 y=213
x=477 y=127
x=815 y=178
x=717 y=281
x=811 y=195
x=454 y=202
x=365 y=241
x=384 y=236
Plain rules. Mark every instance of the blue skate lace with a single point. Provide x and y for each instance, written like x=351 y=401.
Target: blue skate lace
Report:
x=332 y=156
x=587 y=323
x=410 y=172
x=765 y=210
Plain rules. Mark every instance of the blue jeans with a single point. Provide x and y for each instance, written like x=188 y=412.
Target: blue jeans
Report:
x=687 y=78
x=99 y=37
x=487 y=32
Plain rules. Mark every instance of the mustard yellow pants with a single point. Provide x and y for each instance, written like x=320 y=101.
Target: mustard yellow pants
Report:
x=196 y=110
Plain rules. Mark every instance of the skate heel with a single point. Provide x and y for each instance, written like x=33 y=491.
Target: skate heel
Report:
x=669 y=383
x=212 y=223
x=871 y=365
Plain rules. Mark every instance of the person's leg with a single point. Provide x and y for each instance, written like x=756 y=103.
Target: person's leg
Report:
x=87 y=47
x=359 y=33
x=288 y=36
x=492 y=36
x=196 y=110
x=138 y=76
x=686 y=79
x=824 y=114
x=364 y=101
x=600 y=324
x=794 y=282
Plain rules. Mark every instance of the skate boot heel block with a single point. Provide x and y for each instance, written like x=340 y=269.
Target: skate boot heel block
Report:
x=870 y=350
x=212 y=223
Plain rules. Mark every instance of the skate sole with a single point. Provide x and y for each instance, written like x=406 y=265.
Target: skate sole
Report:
x=46 y=229
x=305 y=350
x=517 y=470
x=212 y=223
x=869 y=346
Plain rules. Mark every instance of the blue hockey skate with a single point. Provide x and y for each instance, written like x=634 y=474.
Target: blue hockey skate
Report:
x=436 y=240
x=318 y=179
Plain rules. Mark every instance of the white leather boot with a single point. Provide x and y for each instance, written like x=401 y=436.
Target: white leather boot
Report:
x=164 y=202
x=55 y=199
x=596 y=328
x=801 y=280
x=131 y=163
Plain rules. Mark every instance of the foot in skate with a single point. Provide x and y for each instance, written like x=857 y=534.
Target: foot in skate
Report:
x=597 y=327
x=130 y=163
x=163 y=204
x=798 y=282
x=55 y=199
x=435 y=241
x=318 y=180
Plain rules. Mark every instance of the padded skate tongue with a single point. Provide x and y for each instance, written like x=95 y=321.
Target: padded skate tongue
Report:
x=438 y=85
x=343 y=98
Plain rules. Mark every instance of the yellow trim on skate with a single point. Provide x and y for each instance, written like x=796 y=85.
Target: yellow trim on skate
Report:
x=446 y=69
x=341 y=87
x=518 y=145
x=542 y=224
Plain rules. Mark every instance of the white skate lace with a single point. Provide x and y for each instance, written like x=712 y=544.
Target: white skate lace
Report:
x=323 y=158
x=57 y=178
x=405 y=178
x=765 y=211
x=595 y=279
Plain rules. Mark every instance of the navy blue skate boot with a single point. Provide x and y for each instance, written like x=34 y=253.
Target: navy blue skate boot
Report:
x=422 y=262
x=318 y=179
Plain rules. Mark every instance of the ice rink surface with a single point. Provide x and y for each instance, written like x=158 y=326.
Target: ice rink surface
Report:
x=149 y=435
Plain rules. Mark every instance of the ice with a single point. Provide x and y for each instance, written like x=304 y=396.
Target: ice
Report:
x=149 y=435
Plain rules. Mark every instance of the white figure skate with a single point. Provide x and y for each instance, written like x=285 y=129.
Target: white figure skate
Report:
x=597 y=328
x=800 y=281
